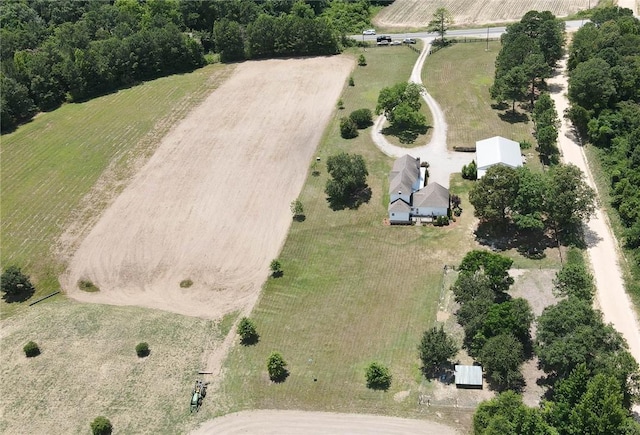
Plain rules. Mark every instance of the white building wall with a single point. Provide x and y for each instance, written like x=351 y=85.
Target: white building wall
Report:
x=398 y=216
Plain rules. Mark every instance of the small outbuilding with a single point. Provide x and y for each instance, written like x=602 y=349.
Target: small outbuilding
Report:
x=497 y=151
x=468 y=376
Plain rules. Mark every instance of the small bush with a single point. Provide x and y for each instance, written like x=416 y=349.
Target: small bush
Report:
x=340 y=104
x=87 y=286
x=247 y=331
x=277 y=367
x=142 y=349
x=457 y=211
x=101 y=426
x=348 y=128
x=186 y=283
x=525 y=145
x=276 y=268
x=378 y=377
x=351 y=82
x=31 y=349
x=362 y=61
x=470 y=171
x=363 y=118
x=441 y=221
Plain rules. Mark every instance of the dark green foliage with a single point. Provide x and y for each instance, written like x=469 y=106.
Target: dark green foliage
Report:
x=435 y=349
x=362 y=61
x=351 y=82
x=348 y=128
x=347 y=186
x=470 y=171
x=569 y=199
x=591 y=85
x=142 y=349
x=247 y=331
x=378 y=376
x=277 y=367
x=405 y=96
x=297 y=209
x=363 y=118
x=547 y=123
x=506 y=414
x=228 y=39
x=348 y=17
x=101 y=426
x=495 y=267
x=495 y=193
x=573 y=279
x=31 y=349
x=501 y=358
x=441 y=221
x=15 y=285
x=442 y=20
x=276 y=268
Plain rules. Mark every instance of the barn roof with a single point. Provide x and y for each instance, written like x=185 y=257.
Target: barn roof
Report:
x=468 y=376
x=433 y=195
x=497 y=150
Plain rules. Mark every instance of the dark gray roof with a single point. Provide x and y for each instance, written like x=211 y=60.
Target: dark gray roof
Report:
x=468 y=375
x=433 y=195
x=399 y=206
x=405 y=172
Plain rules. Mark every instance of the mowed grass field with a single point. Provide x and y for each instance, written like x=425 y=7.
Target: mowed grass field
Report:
x=355 y=291
x=89 y=367
x=50 y=165
x=459 y=77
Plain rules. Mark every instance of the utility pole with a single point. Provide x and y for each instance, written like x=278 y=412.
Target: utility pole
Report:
x=487 y=49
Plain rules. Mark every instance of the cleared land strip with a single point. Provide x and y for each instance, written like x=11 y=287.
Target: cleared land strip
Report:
x=269 y=422
x=612 y=299
x=212 y=204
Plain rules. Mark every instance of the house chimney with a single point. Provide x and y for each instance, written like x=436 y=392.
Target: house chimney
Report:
x=399 y=192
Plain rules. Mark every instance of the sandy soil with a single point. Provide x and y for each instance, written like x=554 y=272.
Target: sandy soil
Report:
x=212 y=203
x=611 y=297
x=442 y=162
x=317 y=423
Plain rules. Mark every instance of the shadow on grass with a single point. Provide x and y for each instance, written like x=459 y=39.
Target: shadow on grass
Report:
x=444 y=373
x=514 y=117
x=20 y=296
x=300 y=218
x=530 y=244
x=351 y=202
x=405 y=136
x=250 y=340
x=280 y=379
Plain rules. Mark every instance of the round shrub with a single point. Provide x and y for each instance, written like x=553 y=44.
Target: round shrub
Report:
x=351 y=82
x=142 y=349
x=247 y=331
x=277 y=367
x=363 y=118
x=378 y=377
x=348 y=128
x=101 y=426
x=31 y=349
x=186 y=283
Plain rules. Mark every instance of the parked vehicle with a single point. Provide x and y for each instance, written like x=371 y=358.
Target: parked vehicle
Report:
x=382 y=38
x=396 y=43
x=369 y=32
x=408 y=41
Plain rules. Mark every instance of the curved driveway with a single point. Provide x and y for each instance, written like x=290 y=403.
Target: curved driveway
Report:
x=442 y=162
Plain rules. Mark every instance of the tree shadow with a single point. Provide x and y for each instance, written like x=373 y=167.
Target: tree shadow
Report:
x=514 y=117
x=299 y=217
x=503 y=105
x=444 y=373
x=405 y=136
x=20 y=296
x=517 y=386
x=280 y=379
x=250 y=340
x=530 y=244
x=277 y=273
x=351 y=202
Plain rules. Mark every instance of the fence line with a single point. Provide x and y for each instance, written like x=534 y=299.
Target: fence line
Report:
x=44 y=297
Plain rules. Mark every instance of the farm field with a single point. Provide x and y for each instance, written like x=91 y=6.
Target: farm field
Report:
x=89 y=367
x=418 y=13
x=344 y=273
x=212 y=203
x=65 y=166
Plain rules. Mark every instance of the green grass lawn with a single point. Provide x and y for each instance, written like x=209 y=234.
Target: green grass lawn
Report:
x=51 y=163
x=458 y=77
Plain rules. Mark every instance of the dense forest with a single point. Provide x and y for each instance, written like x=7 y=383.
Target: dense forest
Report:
x=72 y=50
x=604 y=90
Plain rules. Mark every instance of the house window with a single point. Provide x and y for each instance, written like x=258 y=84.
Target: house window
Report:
x=393 y=214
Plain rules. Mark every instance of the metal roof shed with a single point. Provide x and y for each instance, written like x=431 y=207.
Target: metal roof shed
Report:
x=468 y=376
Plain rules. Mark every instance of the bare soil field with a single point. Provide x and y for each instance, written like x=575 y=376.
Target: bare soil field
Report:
x=418 y=13
x=212 y=204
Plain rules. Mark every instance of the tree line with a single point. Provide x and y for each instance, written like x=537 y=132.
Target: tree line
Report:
x=604 y=91
x=73 y=50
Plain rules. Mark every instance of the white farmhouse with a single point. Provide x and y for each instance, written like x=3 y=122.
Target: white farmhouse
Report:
x=408 y=199
x=497 y=151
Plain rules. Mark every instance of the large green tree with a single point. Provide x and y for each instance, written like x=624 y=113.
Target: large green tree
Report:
x=495 y=267
x=435 y=349
x=501 y=358
x=591 y=85
x=569 y=199
x=494 y=194
x=14 y=282
x=507 y=415
x=442 y=20
x=348 y=180
x=406 y=96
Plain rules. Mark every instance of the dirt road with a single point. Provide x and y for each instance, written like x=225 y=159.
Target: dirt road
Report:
x=212 y=204
x=602 y=245
x=267 y=422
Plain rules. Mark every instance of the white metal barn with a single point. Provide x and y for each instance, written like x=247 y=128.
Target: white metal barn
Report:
x=497 y=151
